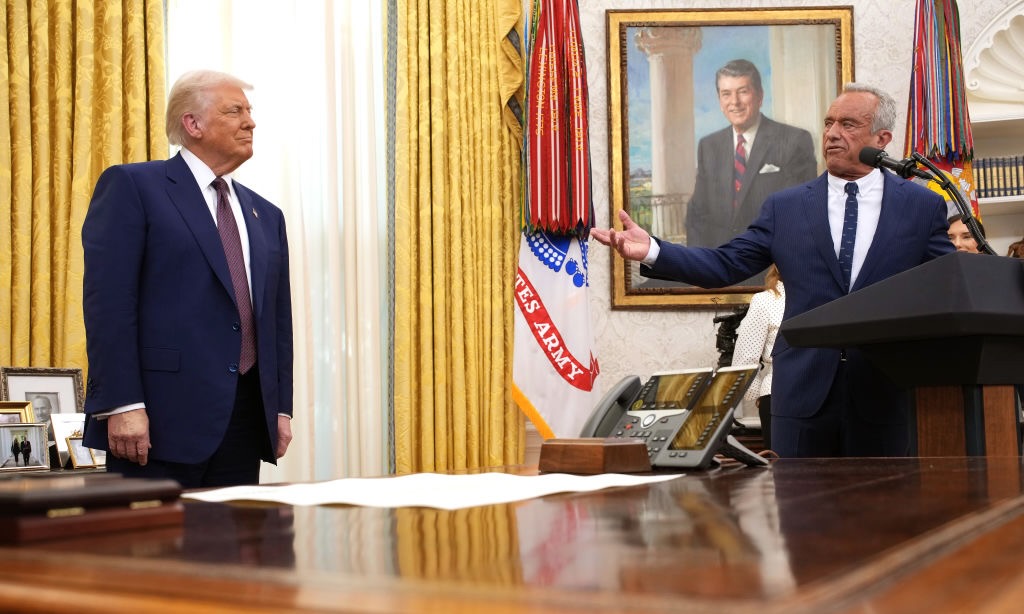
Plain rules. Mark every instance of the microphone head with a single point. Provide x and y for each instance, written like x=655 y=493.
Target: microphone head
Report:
x=871 y=156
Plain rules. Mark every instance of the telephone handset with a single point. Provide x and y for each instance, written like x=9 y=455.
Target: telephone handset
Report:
x=684 y=417
x=611 y=407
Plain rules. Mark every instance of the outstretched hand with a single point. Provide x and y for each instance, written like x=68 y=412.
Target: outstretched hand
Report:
x=632 y=242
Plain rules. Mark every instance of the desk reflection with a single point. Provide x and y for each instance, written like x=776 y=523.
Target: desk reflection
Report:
x=683 y=537
x=253 y=535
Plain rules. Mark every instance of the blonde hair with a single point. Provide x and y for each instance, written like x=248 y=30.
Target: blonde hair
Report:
x=191 y=94
x=772 y=279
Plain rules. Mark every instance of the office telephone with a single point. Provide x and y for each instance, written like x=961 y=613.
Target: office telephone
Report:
x=684 y=417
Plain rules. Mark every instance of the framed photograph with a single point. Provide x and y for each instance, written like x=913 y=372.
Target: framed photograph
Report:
x=65 y=426
x=81 y=456
x=681 y=85
x=16 y=411
x=50 y=390
x=23 y=447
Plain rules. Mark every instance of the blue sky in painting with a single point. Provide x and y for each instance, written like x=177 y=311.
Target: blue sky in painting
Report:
x=719 y=45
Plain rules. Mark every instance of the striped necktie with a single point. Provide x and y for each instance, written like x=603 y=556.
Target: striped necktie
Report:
x=739 y=168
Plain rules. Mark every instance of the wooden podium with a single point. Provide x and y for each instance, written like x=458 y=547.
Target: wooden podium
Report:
x=953 y=329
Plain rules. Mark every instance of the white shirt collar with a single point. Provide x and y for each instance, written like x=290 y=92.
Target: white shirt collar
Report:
x=204 y=176
x=867 y=183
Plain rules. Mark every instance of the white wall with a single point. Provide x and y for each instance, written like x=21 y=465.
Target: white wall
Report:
x=646 y=341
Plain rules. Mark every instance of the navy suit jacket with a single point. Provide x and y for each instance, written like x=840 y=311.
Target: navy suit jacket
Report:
x=161 y=322
x=782 y=156
x=793 y=231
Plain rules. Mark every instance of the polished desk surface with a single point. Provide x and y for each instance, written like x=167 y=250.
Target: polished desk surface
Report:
x=839 y=535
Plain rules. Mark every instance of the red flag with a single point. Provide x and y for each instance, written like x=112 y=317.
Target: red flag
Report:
x=557 y=139
x=554 y=369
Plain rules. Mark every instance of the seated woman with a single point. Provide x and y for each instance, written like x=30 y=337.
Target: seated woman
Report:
x=961 y=237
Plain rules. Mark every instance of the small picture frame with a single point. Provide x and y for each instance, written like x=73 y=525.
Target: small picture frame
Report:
x=50 y=390
x=23 y=447
x=65 y=426
x=13 y=412
x=81 y=456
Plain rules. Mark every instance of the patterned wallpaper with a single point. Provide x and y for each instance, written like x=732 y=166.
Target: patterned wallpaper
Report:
x=642 y=342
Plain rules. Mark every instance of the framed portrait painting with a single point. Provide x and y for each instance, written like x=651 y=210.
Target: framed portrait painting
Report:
x=683 y=85
x=50 y=390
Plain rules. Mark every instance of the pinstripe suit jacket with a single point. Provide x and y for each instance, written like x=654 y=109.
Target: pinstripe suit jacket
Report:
x=792 y=230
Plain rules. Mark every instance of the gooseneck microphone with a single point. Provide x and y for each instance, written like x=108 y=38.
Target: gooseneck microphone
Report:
x=904 y=168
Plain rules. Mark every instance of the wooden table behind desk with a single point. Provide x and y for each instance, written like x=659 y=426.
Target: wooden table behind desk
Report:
x=852 y=535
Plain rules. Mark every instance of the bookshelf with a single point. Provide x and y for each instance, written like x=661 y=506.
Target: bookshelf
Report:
x=994 y=69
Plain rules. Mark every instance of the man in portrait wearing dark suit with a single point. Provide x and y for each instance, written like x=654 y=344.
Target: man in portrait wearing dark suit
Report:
x=739 y=166
x=187 y=303
x=845 y=230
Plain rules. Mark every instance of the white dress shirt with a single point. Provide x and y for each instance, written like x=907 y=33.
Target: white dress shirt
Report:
x=869 y=208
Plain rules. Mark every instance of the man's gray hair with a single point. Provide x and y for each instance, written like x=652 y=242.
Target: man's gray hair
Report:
x=885 y=112
x=191 y=94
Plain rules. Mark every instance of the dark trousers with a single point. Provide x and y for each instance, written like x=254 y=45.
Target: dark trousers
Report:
x=837 y=430
x=764 y=411
x=235 y=462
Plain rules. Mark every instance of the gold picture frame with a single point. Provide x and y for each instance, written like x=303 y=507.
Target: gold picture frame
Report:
x=662 y=99
x=12 y=412
x=81 y=456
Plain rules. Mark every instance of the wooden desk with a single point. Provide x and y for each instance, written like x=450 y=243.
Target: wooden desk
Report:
x=857 y=535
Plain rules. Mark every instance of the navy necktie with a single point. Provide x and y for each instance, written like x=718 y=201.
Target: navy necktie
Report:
x=849 y=234
x=229 y=236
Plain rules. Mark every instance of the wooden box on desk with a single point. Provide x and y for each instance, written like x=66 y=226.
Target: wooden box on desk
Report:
x=592 y=455
x=48 y=507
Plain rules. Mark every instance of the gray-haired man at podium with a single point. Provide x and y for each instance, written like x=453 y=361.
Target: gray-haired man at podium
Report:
x=847 y=229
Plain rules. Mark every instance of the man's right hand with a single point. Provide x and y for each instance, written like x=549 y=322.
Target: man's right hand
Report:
x=128 y=435
x=632 y=242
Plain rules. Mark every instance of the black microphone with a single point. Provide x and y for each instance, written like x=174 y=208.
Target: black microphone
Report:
x=904 y=168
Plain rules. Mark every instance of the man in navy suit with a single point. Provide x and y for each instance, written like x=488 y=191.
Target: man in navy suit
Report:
x=825 y=402
x=187 y=303
x=777 y=156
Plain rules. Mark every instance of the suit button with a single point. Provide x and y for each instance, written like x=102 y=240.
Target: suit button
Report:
x=236 y=326
x=233 y=367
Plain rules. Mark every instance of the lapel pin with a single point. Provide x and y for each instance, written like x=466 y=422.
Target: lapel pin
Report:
x=256 y=215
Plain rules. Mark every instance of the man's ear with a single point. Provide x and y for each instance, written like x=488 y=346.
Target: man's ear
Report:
x=192 y=126
x=884 y=138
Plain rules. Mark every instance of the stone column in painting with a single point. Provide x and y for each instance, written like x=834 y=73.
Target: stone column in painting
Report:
x=670 y=51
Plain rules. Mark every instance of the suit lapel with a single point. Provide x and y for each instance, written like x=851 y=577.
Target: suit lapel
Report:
x=191 y=205
x=766 y=138
x=727 y=154
x=821 y=232
x=889 y=220
x=257 y=247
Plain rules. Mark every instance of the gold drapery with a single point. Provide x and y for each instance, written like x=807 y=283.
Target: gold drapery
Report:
x=83 y=89
x=457 y=192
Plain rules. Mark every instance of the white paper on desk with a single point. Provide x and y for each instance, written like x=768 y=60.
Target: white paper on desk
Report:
x=447 y=492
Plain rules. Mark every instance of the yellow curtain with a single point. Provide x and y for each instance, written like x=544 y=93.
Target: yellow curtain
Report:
x=83 y=88
x=456 y=198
